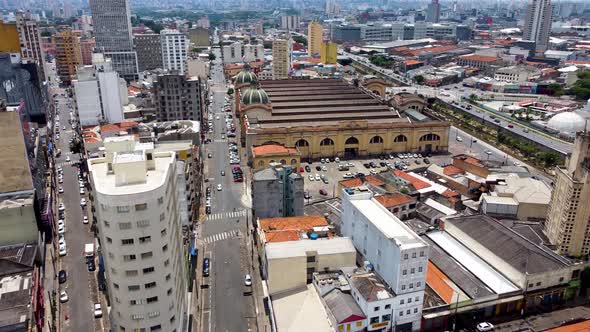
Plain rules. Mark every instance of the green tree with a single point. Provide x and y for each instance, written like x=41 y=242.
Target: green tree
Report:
x=212 y=56
x=419 y=79
x=581 y=88
x=300 y=40
x=473 y=97
x=230 y=91
x=555 y=89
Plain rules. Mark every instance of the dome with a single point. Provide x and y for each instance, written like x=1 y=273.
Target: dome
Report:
x=244 y=77
x=254 y=95
x=567 y=122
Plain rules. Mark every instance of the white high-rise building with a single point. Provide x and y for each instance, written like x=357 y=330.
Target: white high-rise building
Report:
x=111 y=20
x=537 y=23
x=396 y=252
x=282 y=56
x=98 y=92
x=137 y=214
x=174 y=50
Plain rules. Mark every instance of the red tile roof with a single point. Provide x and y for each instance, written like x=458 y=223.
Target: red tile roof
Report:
x=480 y=58
x=412 y=62
x=357 y=182
x=391 y=200
x=374 y=181
x=450 y=193
x=577 y=327
x=273 y=149
x=288 y=229
x=452 y=170
x=417 y=183
x=438 y=281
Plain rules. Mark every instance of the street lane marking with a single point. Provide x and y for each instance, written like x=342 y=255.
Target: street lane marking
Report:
x=226 y=215
x=222 y=236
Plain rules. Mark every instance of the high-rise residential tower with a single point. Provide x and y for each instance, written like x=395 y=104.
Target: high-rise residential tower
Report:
x=314 y=38
x=30 y=39
x=568 y=219
x=281 y=58
x=537 y=23
x=111 y=20
x=67 y=55
x=149 y=51
x=174 y=50
x=433 y=12
x=136 y=199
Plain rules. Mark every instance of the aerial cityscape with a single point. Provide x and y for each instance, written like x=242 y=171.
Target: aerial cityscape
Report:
x=294 y=166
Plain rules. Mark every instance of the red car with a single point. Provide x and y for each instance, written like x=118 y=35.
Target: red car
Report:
x=510 y=126
x=323 y=192
x=301 y=170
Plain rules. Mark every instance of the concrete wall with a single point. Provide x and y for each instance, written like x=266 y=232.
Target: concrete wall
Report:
x=267 y=199
x=111 y=96
x=286 y=274
x=18 y=225
x=531 y=211
x=88 y=102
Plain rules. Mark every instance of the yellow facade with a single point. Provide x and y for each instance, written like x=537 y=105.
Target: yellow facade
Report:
x=9 y=41
x=314 y=38
x=67 y=55
x=329 y=53
x=262 y=162
x=351 y=139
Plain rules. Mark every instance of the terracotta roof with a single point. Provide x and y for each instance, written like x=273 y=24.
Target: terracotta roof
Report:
x=91 y=140
x=281 y=236
x=524 y=103
x=577 y=62
x=351 y=183
x=450 y=193
x=273 y=149
x=578 y=327
x=436 y=49
x=301 y=223
x=391 y=200
x=473 y=161
x=374 y=181
x=128 y=124
x=110 y=127
x=480 y=58
x=417 y=183
x=452 y=170
x=412 y=62
x=438 y=281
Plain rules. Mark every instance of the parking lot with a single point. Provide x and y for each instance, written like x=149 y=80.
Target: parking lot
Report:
x=332 y=175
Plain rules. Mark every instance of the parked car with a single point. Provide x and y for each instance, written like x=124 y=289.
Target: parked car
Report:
x=97 y=310
x=62 y=276
x=63 y=297
x=306 y=195
x=484 y=327
x=206 y=267
x=323 y=192
x=248 y=280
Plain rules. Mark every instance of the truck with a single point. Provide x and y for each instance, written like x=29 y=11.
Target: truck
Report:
x=89 y=250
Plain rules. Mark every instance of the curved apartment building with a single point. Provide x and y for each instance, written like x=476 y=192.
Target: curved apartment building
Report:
x=136 y=209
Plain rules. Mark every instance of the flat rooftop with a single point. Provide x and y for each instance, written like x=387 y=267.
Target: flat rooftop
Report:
x=298 y=310
x=15 y=174
x=387 y=223
x=286 y=249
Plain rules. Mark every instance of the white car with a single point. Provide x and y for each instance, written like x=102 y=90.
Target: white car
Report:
x=219 y=187
x=484 y=327
x=63 y=297
x=217 y=117
x=348 y=176
x=63 y=128
x=317 y=177
x=68 y=158
x=311 y=178
x=60 y=190
x=373 y=172
x=62 y=250
x=61 y=229
x=61 y=207
x=83 y=202
x=85 y=220
x=59 y=168
x=97 y=310
x=61 y=241
x=336 y=160
x=324 y=168
x=248 y=280
x=81 y=191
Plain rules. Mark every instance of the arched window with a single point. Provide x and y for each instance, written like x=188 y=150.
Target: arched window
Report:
x=400 y=138
x=293 y=161
x=326 y=141
x=272 y=161
x=283 y=162
x=352 y=140
x=376 y=140
x=301 y=143
x=430 y=137
x=261 y=163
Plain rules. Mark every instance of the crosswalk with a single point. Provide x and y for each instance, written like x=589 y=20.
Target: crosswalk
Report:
x=64 y=163
x=222 y=236
x=226 y=215
x=218 y=140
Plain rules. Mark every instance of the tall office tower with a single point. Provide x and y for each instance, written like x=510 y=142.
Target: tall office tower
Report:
x=67 y=55
x=149 y=51
x=314 y=38
x=568 y=219
x=174 y=50
x=177 y=98
x=98 y=92
x=329 y=53
x=281 y=58
x=290 y=22
x=137 y=206
x=537 y=23
x=30 y=40
x=111 y=20
x=433 y=12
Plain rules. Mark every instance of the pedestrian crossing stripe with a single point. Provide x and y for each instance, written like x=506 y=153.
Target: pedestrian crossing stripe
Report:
x=220 y=140
x=63 y=163
x=226 y=215
x=222 y=236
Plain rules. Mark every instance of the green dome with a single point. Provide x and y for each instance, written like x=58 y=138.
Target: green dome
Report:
x=244 y=77
x=254 y=95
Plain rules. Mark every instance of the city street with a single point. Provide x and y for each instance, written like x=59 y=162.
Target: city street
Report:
x=76 y=314
x=224 y=231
